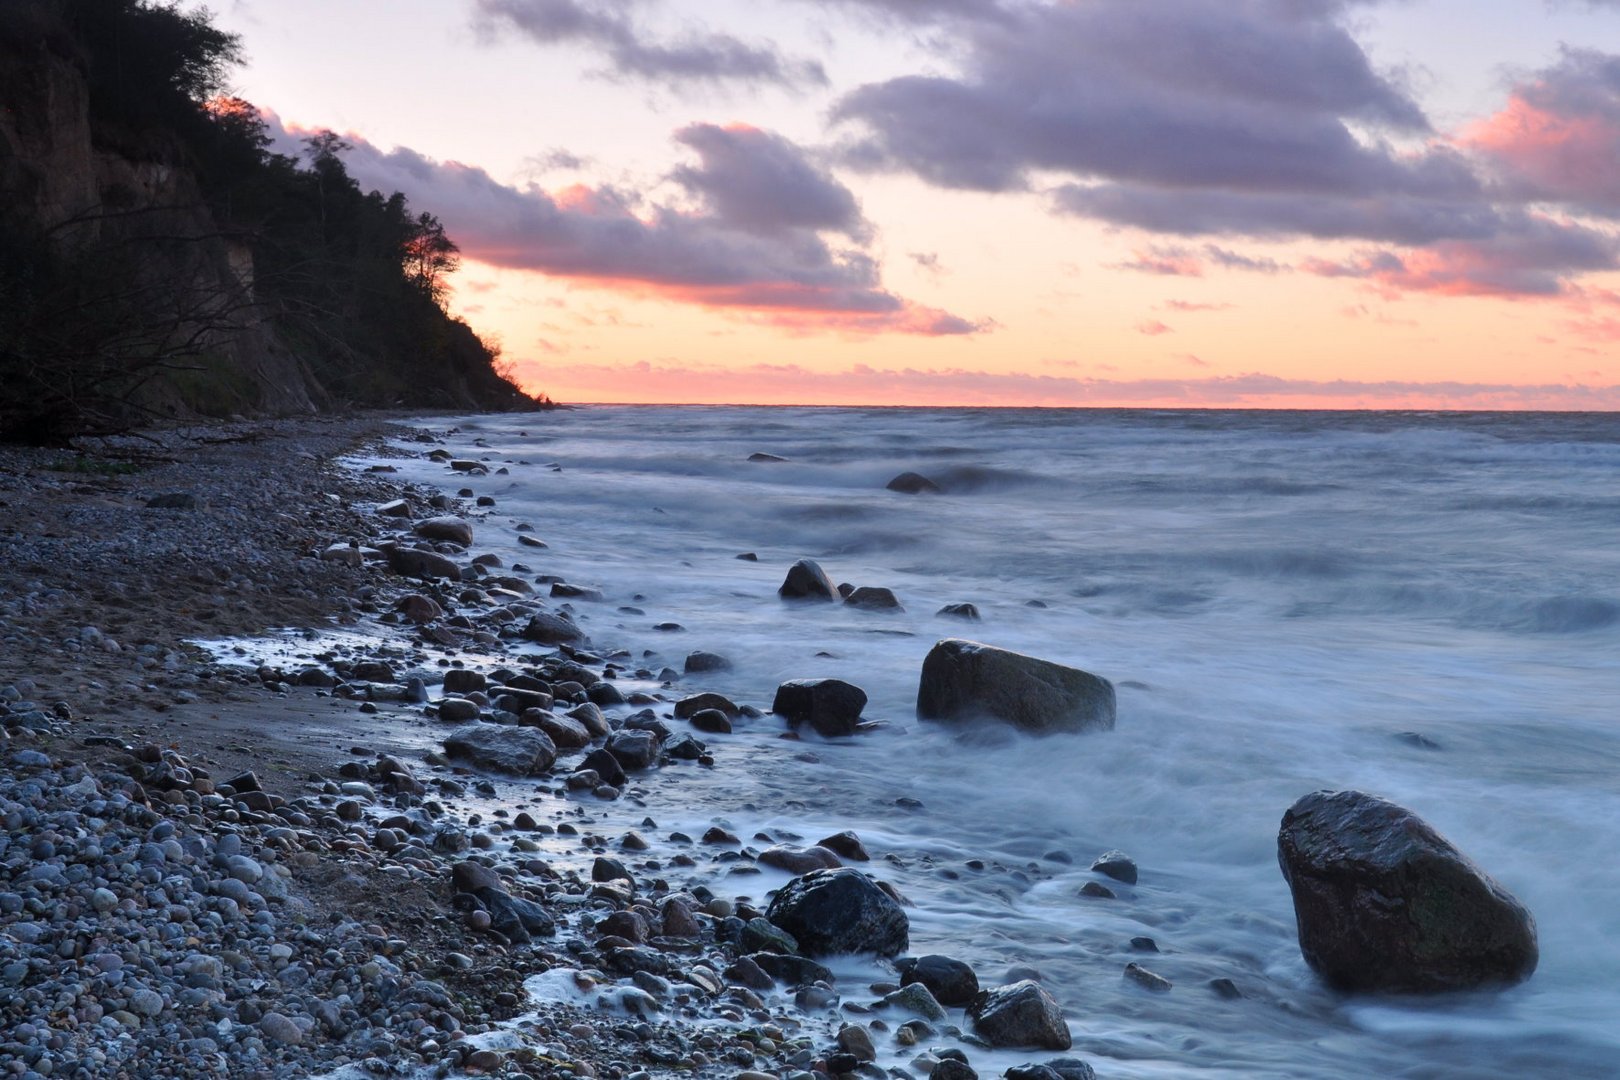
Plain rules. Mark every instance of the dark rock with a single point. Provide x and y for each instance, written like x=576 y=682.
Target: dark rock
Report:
x=565 y=591
x=747 y=973
x=633 y=749
x=1020 y=1015
x=1056 y=1069
x=1385 y=903
x=395 y=508
x=910 y=483
x=626 y=924
x=748 y=556
x=173 y=500
x=760 y=935
x=605 y=694
x=516 y=751
x=605 y=766
x=1117 y=865
x=1031 y=1071
x=420 y=563
x=1225 y=988
x=950 y=981
x=606 y=869
x=688 y=707
x=1096 y=891
x=683 y=747
x=793 y=970
x=831 y=706
x=874 y=598
x=469 y=877
x=960 y=611
x=243 y=782
x=1144 y=944
x=711 y=720
x=462 y=681
x=806 y=581
x=514 y=917
x=763 y=457
x=549 y=629
x=840 y=911
x=846 y=844
x=566 y=732
x=376 y=671
x=964 y=680
x=453 y=529
x=679 y=920
x=799 y=860
x=700 y=662
x=951 y=1069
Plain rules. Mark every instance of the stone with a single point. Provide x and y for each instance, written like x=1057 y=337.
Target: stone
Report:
x=846 y=845
x=633 y=749
x=280 y=1030
x=1385 y=903
x=791 y=969
x=464 y=681
x=806 y=581
x=873 y=598
x=950 y=981
x=711 y=721
x=762 y=935
x=1096 y=891
x=910 y=483
x=831 y=706
x=173 y=500
x=952 y=1069
x=765 y=458
x=420 y=563
x=605 y=766
x=1146 y=979
x=959 y=611
x=799 y=860
x=515 y=918
x=548 y=629
x=855 y=1039
x=453 y=529
x=1022 y=1014
x=398 y=508
x=839 y=911
x=965 y=680
x=689 y=707
x=347 y=554
x=458 y=710
x=700 y=662
x=565 y=731
x=1056 y=1069
x=918 y=999
x=469 y=877
x=515 y=751
x=1117 y=865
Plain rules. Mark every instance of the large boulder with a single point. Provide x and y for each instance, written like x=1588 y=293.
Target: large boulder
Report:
x=831 y=706
x=806 y=580
x=964 y=680
x=420 y=563
x=453 y=529
x=634 y=749
x=831 y=912
x=1021 y=1015
x=516 y=751
x=950 y=981
x=1385 y=903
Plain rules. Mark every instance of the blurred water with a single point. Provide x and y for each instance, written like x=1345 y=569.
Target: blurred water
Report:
x=1279 y=596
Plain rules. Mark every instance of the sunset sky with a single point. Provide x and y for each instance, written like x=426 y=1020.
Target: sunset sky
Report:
x=1298 y=203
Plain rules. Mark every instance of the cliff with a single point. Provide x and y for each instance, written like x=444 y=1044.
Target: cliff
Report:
x=157 y=260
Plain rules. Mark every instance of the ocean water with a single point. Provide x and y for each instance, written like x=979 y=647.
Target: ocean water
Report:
x=1279 y=598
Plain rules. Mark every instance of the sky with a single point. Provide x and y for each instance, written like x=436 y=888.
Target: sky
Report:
x=1164 y=203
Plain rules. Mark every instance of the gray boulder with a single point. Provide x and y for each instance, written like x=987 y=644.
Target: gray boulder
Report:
x=830 y=912
x=420 y=563
x=951 y=981
x=516 y=751
x=1385 y=903
x=873 y=598
x=1020 y=1015
x=964 y=680
x=831 y=706
x=910 y=483
x=806 y=581
x=634 y=749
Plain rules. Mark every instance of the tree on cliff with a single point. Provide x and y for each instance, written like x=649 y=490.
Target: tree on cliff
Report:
x=132 y=295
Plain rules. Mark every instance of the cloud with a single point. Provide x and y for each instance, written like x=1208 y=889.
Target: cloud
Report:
x=1558 y=137
x=1263 y=120
x=632 y=52
x=1153 y=328
x=1195 y=305
x=861 y=384
x=727 y=252
x=924 y=11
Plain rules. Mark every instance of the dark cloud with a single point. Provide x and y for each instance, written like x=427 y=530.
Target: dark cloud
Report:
x=761 y=182
x=609 y=27
x=925 y=11
x=1186 y=94
x=719 y=255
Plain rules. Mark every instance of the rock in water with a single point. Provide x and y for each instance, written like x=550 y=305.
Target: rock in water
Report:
x=910 y=483
x=951 y=981
x=963 y=680
x=807 y=581
x=840 y=911
x=1020 y=1015
x=873 y=598
x=831 y=706
x=550 y=629
x=516 y=751
x=1385 y=903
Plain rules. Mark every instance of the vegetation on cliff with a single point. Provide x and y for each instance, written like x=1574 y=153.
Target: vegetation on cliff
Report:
x=156 y=256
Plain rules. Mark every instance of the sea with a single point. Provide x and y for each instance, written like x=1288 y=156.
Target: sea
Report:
x=1424 y=606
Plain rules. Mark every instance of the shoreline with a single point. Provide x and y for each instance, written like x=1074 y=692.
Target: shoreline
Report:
x=103 y=593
